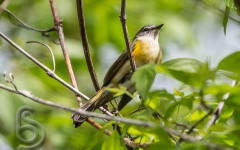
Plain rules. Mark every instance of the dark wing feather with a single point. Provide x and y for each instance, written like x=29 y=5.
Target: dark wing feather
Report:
x=115 y=67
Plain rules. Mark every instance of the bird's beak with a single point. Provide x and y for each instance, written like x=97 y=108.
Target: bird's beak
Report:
x=159 y=26
x=156 y=31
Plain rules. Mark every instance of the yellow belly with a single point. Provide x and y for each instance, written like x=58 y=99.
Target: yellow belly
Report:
x=146 y=51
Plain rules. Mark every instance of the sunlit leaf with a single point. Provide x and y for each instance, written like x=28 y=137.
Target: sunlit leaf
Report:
x=153 y=103
x=227 y=113
x=224 y=128
x=143 y=78
x=231 y=4
x=221 y=89
x=230 y=63
x=197 y=115
x=178 y=93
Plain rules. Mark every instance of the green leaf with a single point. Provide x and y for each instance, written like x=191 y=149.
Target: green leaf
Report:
x=153 y=103
x=230 y=4
x=163 y=138
x=95 y=140
x=171 y=109
x=225 y=18
x=221 y=89
x=183 y=76
x=230 y=63
x=156 y=135
x=143 y=78
x=197 y=115
x=114 y=141
x=178 y=93
x=227 y=113
x=224 y=128
x=158 y=99
x=233 y=102
x=161 y=94
x=183 y=63
x=188 y=100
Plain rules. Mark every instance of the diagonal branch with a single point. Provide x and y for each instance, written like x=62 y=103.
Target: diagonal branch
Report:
x=4 y=5
x=84 y=38
x=58 y=26
x=29 y=95
x=20 y=23
x=126 y=36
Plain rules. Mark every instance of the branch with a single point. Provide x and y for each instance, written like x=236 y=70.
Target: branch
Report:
x=3 y=6
x=84 y=38
x=49 y=48
x=24 y=25
x=29 y=95
x=126 y=36
x=58 y=26
x=189 y=138
x=183 y=136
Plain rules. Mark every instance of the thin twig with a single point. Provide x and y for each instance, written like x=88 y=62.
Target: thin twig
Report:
x=58 y=26
x=3 y=6
x=126 y=36
x=83 y=33
x=49 y=48
x=10 y=80
x=24 y=25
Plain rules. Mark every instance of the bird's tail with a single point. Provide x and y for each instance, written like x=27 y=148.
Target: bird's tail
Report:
x=99 y=99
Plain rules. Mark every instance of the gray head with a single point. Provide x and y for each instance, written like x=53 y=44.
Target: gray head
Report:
x=150 y=31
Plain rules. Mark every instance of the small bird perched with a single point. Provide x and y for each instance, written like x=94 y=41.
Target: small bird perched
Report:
x=145 y=49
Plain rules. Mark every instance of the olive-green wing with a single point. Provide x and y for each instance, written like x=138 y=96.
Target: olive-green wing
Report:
x=115 y=67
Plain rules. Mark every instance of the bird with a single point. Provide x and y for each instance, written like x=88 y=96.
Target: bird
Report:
x=145 y=49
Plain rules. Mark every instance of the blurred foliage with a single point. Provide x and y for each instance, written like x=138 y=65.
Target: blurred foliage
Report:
x=201 y=83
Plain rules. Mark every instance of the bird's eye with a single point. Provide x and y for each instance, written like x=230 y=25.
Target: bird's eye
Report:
x=146 y=28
